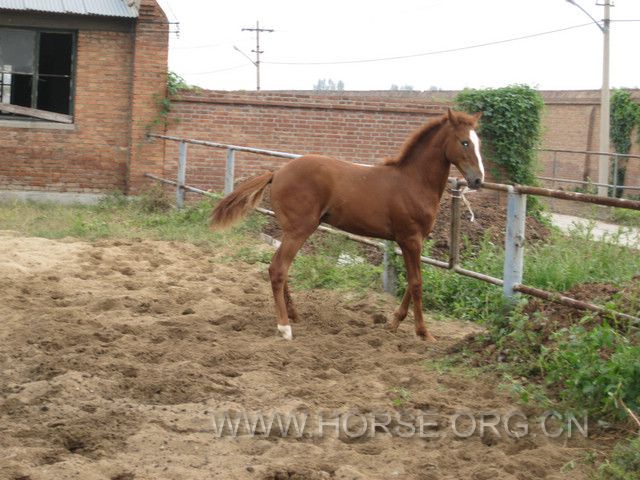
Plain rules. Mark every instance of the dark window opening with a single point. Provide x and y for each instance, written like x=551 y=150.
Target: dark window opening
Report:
x=36 y=71
x=20 y=89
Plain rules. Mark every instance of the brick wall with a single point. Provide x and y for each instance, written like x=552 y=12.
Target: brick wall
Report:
x=351 y=126
x=357 y=126
x=112 y=102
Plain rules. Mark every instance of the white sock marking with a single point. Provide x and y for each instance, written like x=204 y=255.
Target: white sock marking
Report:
x=286 y=332
x=476 y=147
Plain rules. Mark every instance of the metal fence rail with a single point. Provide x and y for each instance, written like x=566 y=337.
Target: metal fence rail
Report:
x=587 y=183
x=513 y=267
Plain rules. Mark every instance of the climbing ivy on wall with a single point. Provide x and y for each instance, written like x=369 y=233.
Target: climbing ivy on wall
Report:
x=510 y=127
x=625 y=114
x=175 y=84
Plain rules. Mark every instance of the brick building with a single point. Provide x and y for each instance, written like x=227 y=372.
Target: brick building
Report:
x=79 y=88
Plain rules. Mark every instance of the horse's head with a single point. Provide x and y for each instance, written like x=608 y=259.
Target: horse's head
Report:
x=462 y=147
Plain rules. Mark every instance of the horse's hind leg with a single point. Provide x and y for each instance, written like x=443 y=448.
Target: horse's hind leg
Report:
x=278 y=272
x=411 y=251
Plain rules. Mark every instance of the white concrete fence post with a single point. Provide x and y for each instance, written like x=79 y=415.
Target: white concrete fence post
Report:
x=514 y=242
x=389 y=275
x=182 y=175
x=229 y=171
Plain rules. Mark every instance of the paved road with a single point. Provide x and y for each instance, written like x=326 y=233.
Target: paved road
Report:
x=623 y=235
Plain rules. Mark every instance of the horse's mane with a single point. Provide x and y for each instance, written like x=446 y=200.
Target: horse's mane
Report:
x=423 y=131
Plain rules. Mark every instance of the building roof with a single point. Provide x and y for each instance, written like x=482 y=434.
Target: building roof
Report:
x=105 y=8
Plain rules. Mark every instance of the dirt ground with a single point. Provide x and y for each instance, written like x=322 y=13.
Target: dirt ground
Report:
x=117 y=356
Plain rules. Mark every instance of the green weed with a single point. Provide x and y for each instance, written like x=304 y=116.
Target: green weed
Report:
x=401 y=396
x=624 y=463
x=595 y=369
x=625 y=216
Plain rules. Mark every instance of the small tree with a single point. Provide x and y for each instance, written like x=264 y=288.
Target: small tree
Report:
x=408 y=88
x=328 y=84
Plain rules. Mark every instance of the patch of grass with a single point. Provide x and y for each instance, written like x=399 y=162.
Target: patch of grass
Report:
x=251 y=255
x=401 y=396
x=452 y=365
x=595 y=369
x=335 y=263
x=565 y=261
x=117 y=216
x=526 y=393
x=624 y=463
x=625 y=216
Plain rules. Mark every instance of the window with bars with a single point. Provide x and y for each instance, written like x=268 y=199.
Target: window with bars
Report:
x=36 y=72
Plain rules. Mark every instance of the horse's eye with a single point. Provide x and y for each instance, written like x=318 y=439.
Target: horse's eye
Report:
x=465 y=144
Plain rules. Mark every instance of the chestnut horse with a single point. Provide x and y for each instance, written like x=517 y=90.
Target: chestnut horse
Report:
x=395 y=200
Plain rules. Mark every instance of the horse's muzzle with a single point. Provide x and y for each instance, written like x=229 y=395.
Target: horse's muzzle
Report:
x=474 y=183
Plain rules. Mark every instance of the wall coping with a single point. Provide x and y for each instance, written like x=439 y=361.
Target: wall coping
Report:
x=410 y=102
x=345 y=101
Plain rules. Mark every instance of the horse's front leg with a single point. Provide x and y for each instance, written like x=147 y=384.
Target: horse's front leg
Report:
x=411 y=249
x=291 y=310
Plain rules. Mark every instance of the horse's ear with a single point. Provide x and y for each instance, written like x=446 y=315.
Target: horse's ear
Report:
x=477 y=117
x=452 y=117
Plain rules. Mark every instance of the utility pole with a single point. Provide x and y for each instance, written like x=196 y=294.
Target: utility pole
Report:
x=257 y=51
x=605 y=104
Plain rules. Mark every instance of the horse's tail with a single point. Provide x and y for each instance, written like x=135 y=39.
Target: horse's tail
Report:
x=240 y=202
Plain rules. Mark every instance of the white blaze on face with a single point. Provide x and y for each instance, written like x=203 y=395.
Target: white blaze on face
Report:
x=476 y=147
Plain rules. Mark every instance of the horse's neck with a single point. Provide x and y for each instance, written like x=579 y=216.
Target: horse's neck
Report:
x=427 y=163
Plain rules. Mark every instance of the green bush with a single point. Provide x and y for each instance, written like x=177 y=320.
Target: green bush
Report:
x=624 y=463
x=510 y=127
x=595 y=369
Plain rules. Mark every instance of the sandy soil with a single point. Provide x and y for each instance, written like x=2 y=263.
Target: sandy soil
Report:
x=116 y=356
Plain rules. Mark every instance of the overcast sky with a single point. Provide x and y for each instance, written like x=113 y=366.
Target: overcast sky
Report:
x=326 y=32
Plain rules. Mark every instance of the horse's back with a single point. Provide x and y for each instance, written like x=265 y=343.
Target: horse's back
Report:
x=318 y=176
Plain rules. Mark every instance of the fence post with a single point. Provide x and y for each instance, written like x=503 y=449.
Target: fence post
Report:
x=229 y=172
x=514 y=241
x=182 y=175
x=389 y=276
x=454 y=233
x=554 y=175
x=615 y=177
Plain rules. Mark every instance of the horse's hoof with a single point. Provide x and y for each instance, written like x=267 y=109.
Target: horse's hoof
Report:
x=427 y=337
x=286 y=331
x=393 y=326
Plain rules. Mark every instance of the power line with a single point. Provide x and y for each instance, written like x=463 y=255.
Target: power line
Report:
x=435 y=52
x=219 y=70
x=194 y=47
